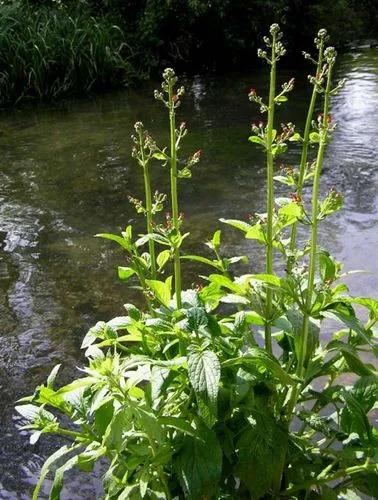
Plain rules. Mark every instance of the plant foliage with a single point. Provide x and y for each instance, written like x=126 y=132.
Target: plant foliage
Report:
x=233 y=389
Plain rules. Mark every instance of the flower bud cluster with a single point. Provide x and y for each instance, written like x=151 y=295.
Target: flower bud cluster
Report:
x=258 y=129
x=168 y=227
x=145 y=146
x=288 y=130
x=138 y=205
x=173 y=98
x=158 y=202
x=253 y=97
x=321 y=38
x=308 y=57
x=273 y=43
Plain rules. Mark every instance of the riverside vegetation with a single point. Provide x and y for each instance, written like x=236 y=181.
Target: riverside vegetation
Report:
x=231 y=389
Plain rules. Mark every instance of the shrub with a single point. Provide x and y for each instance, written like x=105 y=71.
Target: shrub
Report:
x=51 y=51
x=218 y=391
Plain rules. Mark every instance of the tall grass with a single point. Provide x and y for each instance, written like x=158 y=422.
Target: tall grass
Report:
x=47 y=51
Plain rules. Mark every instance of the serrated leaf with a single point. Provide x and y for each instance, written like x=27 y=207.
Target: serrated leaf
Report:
x=199 y=464
x=261 y=451
x=204 y=376
x=197 y=318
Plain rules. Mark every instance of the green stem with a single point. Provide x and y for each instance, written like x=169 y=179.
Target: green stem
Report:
x=151 y=243
x=313 y=244
x=148 y=197
x=305 y=145
x=314 y=228
x=175 y=211
x=270 y=196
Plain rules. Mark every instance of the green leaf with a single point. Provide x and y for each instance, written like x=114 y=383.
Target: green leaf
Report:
x=332 y=202
x=161 y=290
x=93 y=333
x=224 y=281
x=163 y=258
x=254 y=318
x=295 y=318
x=204 y=376
x=350 y=321
x=58 y=477
x=125 y=273
x=328 y=267
x=289 y=214
x=353 y=417
x=314 y=138
x=31 y=413
x=256 y=233
x=64 y=450
x=120 y=423
x=199 y=464
x=257 y=140
x=197 y=318
x=210 y=295
x=238 y=224
x=264 y=361
x=184 y=173
x=114 y=237
x=159 y=377
x=278 y=149
x=216 y=239
x=51 y=378
x=160 y=155
x=269 y=279
x=178 y=423
x=202 y=260
x=296 y=138
x=261 y=451
x=280 y=98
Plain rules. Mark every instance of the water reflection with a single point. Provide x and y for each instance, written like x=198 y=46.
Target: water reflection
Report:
x=65 y=175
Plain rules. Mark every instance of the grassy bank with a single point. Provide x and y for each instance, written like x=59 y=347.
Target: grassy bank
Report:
x=49 y=51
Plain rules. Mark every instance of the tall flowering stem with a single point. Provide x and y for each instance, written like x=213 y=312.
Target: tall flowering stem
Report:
x=320 y=42
x=324 y=126
x=143 y=152
x=274 y=30
x=172 y=103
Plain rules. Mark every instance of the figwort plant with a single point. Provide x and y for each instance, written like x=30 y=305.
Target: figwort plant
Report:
x=179 y=397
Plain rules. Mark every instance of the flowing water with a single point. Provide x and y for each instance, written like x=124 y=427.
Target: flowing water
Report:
x=65 y=174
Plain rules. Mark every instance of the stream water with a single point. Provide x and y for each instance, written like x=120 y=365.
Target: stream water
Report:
x=65 y=173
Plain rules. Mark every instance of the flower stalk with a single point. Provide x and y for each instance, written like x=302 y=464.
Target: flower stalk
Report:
x=172 y=100
x=144 y=162
x=320 y=41
x=274 y=30
x=324 y=127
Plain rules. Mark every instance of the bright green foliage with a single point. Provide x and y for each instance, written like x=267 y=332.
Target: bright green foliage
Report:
x=231 y=390
x=49 y=51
